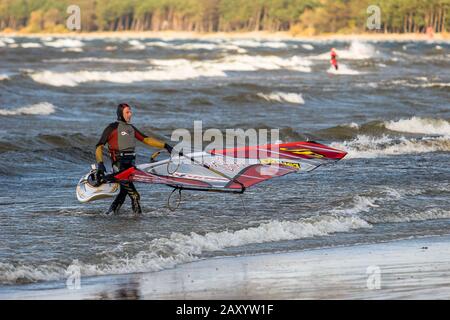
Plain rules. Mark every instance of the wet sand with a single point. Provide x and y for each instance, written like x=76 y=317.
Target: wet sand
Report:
x=406 y=269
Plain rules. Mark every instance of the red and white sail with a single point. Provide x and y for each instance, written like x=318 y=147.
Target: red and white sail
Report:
x=234 y=169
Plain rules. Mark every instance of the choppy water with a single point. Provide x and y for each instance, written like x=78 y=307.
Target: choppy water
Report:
x=388 y=107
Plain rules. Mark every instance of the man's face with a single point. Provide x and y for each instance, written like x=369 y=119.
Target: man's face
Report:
x=127 y=114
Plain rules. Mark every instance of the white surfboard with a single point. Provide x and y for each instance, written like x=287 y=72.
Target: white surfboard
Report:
x=87 y=192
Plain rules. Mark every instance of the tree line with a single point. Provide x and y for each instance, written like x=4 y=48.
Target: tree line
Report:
x=298 y=16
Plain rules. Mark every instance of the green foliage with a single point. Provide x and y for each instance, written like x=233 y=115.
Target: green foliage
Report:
x=321 y=16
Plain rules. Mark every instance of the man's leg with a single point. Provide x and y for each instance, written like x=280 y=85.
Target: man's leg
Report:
x=118 y=201
x=120 y=198
x=134 y=196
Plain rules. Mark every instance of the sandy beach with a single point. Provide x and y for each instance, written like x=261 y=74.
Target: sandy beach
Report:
x=260 y=35
x=406 y=269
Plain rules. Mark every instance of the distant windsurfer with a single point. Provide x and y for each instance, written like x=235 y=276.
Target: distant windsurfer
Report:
x=121 y=138
x=333 y=60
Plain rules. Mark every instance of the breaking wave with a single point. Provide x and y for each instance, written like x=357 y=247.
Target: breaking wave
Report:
x=197 y=46
x=410 y=216
x=294 y=98
x=64 y=43
x=359 y=204
x=44 y=109
x=163 y=253
x=30 y=45
x=256 y=44
x=254 y=63
x=356 y=51
x=358 y=212
x=175 y=69
x=5 y=41
x=220 y=44
x=94 y=60
x=136 y=45
x=307 y=46
x=418 y=82
x=72 y=79
x=420 y=125
x=4 y=77
x=413 y=126
x=371 y=147
x=343 y=69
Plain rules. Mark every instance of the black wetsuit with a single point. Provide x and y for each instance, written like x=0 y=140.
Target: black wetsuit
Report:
x=121 y=139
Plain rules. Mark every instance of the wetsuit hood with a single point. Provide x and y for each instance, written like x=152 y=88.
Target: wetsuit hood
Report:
x=120 y=109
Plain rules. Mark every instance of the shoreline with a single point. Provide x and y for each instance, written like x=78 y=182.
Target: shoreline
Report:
x=260 y=35
x=407 y=269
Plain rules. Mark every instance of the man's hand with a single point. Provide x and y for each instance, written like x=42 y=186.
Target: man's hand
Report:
x=100 y=171
x=168 y=147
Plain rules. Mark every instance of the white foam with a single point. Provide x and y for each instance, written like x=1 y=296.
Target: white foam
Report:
x=307 y=46
x=411 y=215
x=343 y=70
x=3 y=76
x=294 y=98
x=371 y=147
x=197 y=46
x=175 y=69
x=158 y=44
x=420 y=125
x=423 y=83
x=246 y=43
x=111 y=48
x=136 y=45
x=430 y=85
x=366 y=85
x=10 y=273
x=163 y=253
x=94 y=59
x=357 y=51
x=28 y=45
x=360 y=204
x=72 y=50
x=274 y=44
x=249 y=43
x=352 y=125
x=253 y=63
x=44 y=108
x=72 y=79
x=65 y=43
x=8 y=40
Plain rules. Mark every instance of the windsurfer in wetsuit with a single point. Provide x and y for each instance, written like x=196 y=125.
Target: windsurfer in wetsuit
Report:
x=121 y=138
x=333 y=60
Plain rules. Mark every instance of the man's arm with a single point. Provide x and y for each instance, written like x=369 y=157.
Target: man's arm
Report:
x=103 y=140
x=152 y=142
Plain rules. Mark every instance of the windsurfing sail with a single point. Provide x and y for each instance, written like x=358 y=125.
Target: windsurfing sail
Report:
x=234 y=169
